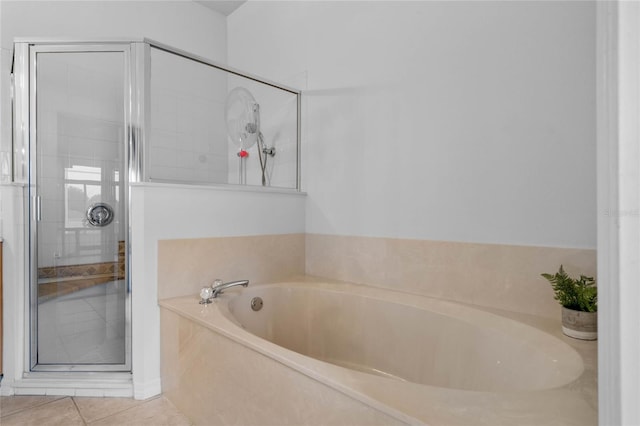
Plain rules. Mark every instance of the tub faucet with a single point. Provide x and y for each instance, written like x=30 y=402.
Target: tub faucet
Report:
x=219 y=287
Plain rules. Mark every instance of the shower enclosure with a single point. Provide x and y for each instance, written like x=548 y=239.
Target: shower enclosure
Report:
x=90 y=120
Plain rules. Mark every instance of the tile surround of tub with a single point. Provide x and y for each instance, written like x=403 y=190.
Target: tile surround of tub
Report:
x=276 y=393
x=490 y=275
x=185 y=265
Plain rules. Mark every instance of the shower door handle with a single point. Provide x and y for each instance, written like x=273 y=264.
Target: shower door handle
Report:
x=99 y=214
x=38 y=208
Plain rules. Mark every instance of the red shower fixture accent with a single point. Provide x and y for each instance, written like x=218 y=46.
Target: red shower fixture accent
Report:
x=243 y=153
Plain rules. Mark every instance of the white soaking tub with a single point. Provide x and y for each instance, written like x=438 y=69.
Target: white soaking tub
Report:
x=364 y=355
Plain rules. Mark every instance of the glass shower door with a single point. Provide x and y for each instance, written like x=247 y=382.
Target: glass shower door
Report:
x=79 y=278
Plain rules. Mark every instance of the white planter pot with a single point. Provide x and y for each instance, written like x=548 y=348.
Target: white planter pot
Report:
x=580 y=325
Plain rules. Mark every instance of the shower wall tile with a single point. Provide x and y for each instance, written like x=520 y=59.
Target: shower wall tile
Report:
x=491 y=275
x=186 y=265
x=5 y=117
x=164 y=109
x=278 y=124
x=78 y=126
x=187 y=121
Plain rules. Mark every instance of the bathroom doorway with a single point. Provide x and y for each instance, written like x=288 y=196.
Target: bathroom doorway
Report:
x=79 y=287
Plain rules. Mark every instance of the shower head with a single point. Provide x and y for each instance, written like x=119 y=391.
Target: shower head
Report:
x=254 y=126
x=242 y=115
x=251 y=128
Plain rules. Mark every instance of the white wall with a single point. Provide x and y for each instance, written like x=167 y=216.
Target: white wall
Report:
x=182 y=24
x=12 y=215
x=458 y=121
x=174 y=211
x=618 y=212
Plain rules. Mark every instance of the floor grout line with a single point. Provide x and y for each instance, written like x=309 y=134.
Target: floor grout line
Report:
x=57 y=398
x=105 y=417
x=117 y=412
x=125 y=418
x=73 y=400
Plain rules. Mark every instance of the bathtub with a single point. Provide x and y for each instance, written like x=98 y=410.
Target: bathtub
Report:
x=339 y=353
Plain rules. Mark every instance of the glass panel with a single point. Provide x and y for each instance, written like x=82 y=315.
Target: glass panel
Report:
x=189 y=140
x=80 y=157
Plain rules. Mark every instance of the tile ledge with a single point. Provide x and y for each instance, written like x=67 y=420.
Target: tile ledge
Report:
x=220 y=187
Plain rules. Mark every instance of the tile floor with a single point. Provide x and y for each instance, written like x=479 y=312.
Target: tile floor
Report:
x=71 y=411
x=84 y=327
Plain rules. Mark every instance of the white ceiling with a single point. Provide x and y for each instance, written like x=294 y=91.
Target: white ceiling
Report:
x=226 y=7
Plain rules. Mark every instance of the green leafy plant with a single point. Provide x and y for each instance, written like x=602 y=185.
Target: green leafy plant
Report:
x=577 y=294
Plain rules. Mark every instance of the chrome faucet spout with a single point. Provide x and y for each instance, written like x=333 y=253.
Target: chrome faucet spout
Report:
x=218 y=289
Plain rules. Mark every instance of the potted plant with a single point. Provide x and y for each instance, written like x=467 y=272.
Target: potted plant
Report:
x=579 y=300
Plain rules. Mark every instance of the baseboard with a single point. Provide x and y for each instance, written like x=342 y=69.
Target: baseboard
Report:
x=145 y=390
x=5 y=388
x=52 y=384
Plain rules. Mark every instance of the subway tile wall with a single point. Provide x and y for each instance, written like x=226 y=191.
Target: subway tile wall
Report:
x=80 y=148
x=278 y=124
x=5 y=117
x=187 y=140
x=188 y=137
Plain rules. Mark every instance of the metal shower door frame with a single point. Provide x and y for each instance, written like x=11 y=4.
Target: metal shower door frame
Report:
x=134 y=88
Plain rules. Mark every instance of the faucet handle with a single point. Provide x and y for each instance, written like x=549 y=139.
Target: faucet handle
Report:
x=205 y=295
x=217 y=282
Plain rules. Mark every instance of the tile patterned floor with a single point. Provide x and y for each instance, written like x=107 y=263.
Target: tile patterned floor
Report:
x=70 y=411
x=84 y=327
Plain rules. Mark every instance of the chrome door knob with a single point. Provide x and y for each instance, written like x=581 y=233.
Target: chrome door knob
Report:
x=99 y=214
